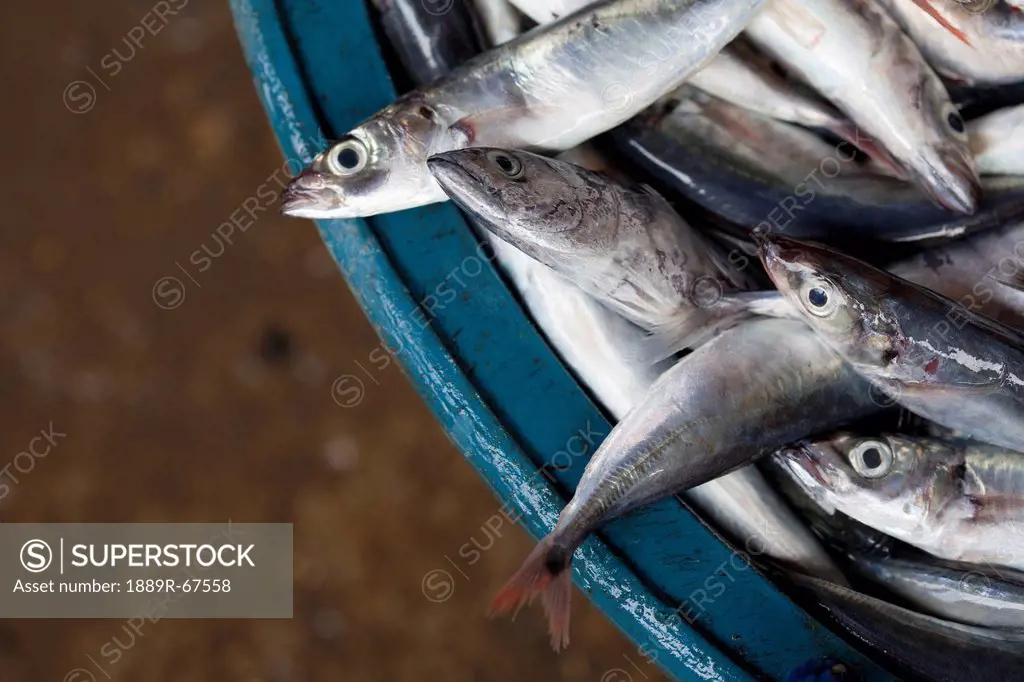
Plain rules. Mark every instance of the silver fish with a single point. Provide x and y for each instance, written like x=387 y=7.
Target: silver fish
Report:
x=925 y=646
x=547 y=90
x=994 y=51
x=606 y=353
x=946 y=364
x=856 y=56
x=622 y=244
x=759 y=172
x=956 y=499
x=983 y=274
x=974 y=594
x=744 y=77
x=998 y=140
x=604 y=350
x=738 y=74
x=954 y=591
x=742 y=394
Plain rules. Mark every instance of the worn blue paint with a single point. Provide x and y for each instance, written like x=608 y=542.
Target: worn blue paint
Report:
x=503 y=396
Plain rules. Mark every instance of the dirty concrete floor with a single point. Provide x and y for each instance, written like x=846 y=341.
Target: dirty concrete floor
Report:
x=221 y=407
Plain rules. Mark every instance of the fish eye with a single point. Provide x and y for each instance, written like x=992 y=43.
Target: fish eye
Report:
x=954 y=120
x=347 y=157
x=871 y=458
x=819 y=297
x=509 y=165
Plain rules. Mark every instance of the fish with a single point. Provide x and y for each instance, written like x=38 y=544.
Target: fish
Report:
x=744 y=77
x=603 y=350
x=995 y=55
x=737 y=74
x=957 y=592
x=998 y=140
x=956 y=499
x=970 y=593
x=742 y=394
x=921 y=645
x=859 y=59
x=429 y=43
x=936 y=359
x=839 y=532
x=756 y=172
x=547 y=90
x=623 y=244
x=984 y=273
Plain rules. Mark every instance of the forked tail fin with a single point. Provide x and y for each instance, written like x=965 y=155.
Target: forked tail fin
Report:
x=545 y=573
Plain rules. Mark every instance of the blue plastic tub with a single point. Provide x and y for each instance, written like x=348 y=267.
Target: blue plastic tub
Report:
x=688 y=601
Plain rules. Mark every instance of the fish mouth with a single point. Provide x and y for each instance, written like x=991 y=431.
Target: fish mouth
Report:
x=457 y=181
x=470 y=192
x=777 y=252
x=304 y=196
x=803 y=465
x=954 y=183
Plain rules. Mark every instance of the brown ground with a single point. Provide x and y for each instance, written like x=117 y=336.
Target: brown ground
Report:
x=221 y=407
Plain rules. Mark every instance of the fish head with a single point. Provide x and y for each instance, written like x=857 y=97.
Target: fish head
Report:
x=943 y=162
x=845 y=301
x=531 y=201
x=377 y=167
x=890 y=483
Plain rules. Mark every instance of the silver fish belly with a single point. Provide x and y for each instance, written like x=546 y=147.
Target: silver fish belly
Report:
x=928 y=646
x=998 y=140
x=960 y=593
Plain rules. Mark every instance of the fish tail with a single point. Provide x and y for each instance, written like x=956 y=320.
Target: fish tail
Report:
x=545 y=573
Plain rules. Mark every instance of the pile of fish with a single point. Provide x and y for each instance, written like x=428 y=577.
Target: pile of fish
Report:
x=649 y=174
